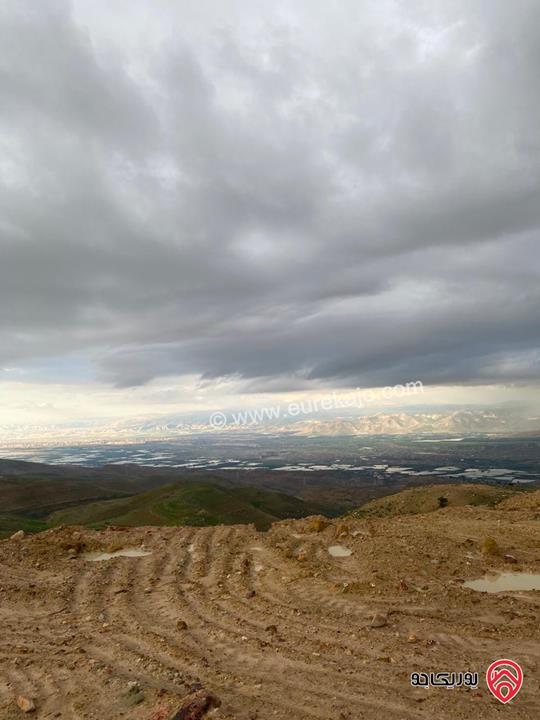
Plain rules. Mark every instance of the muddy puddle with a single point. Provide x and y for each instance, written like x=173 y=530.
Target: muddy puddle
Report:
x=339 y=551
x=505 y=582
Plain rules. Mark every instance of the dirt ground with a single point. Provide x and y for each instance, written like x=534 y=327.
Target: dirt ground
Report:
x=270 y=623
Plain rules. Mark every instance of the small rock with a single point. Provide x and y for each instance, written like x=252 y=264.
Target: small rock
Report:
x=490 y=547
x=342 y=530
x=510 y=559
x=271 y=629
x=135 y=697
x=181 y=625
x=19 y=535
x=379 y=620
x=196 y=705
x=317 y=524
x=412 y=638
x=25 y=704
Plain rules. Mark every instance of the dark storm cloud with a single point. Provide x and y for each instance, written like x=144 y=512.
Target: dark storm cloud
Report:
x=283 y=194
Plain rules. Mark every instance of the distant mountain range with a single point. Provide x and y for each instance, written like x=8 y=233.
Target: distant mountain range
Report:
x=382 y=423
x=455 y=421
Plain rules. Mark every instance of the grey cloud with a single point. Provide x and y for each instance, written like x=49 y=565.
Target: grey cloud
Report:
x=288 y=197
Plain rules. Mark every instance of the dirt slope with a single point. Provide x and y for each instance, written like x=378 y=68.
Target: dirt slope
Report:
x=269 y=622
x=425 y=498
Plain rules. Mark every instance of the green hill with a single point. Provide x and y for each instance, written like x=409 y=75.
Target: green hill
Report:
x=428 y=498
x=10 y=523
x=36 y=490
x=34 y=497
x=189 y=504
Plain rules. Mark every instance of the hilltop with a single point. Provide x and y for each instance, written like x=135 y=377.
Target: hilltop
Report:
x=271 y=624
x=428 y=498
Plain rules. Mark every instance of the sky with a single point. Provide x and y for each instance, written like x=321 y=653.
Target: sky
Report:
x=219 y=202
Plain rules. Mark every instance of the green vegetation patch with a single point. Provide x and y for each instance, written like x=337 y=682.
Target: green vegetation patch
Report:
x=10 y=524
x=189 y=503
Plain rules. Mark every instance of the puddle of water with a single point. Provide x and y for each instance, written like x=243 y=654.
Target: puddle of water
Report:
x=128 y=552
x=505 y=582
x=339 y=551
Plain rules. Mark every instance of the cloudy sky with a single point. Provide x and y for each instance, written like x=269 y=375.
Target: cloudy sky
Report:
x=228 y=199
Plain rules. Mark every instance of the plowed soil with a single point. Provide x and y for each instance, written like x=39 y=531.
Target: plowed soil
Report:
x=270 y=623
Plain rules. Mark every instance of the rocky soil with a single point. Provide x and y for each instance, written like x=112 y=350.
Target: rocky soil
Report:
x=270 y=624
